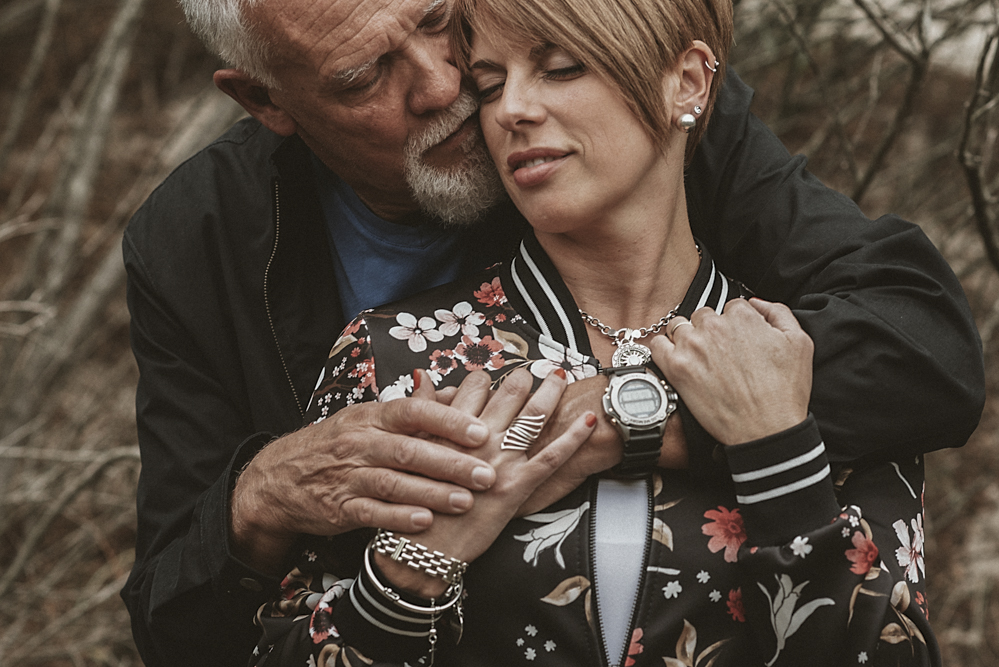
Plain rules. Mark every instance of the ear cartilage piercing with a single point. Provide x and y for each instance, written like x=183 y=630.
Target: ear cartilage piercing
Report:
x=708 y=65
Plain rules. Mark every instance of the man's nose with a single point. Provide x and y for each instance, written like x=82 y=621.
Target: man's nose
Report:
x=436 y=79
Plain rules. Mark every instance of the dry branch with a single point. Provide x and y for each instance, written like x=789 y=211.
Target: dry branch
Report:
x=977 y=114
x=24 y=91
x=39 y=528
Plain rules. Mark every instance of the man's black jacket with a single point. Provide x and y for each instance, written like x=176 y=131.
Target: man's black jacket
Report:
x=229 y=271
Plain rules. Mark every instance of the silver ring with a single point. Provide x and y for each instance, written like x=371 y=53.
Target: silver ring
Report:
x=677 y=326
x=522 y=433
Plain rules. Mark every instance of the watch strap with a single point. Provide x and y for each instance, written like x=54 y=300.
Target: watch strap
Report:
x=641 y=453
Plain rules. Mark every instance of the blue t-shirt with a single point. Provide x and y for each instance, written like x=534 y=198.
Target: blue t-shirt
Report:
x=376 y=261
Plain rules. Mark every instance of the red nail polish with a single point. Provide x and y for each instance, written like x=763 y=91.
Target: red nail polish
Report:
x=416 y=379
x=560 y=372
x=591 y=420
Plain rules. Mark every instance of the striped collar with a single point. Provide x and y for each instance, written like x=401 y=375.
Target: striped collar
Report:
x=536 y=290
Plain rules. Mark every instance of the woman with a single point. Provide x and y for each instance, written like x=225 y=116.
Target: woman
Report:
x=587 y=108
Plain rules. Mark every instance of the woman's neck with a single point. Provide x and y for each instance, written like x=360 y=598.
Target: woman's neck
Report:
x=627 y=274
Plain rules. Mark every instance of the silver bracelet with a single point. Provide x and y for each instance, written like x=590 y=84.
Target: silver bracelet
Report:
x=418 y=557
x=432 y=610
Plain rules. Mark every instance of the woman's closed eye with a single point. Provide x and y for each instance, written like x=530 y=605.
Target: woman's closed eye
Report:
x=489 y=88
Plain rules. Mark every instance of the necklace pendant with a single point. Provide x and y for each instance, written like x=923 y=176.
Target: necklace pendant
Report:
x=630 y=353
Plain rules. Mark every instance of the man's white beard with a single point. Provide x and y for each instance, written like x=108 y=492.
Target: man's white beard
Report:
x=458 y=195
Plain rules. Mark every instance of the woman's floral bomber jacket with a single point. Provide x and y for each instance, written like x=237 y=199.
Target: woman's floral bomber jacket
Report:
x=782 y=562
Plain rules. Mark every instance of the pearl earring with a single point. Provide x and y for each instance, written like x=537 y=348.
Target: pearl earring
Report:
x=687 y=122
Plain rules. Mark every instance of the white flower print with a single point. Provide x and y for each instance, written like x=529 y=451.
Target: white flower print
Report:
x=910 y=554
x=550 y=646
x=672 y=590
x=417 y=332
x=703 y=577
x=557 y=527
x=530 y=654
x=784 y=618
x=531 y=630
x=715 y=595
x=800 y=547
x=460 y=318
x=862 y=657
x=399 y=389
x=558 y=356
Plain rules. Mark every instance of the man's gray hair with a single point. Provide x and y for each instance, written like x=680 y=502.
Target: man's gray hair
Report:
x=222 y=26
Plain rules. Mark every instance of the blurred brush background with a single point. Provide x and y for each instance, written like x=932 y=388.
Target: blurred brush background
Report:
x=896 y=103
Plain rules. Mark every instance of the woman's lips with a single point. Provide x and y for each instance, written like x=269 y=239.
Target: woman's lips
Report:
x=535 y=166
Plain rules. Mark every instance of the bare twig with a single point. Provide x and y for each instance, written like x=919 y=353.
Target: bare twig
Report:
x=900 y=41
x=27 y=86
x=16 y=13
x=39 y=528
x=116 y=55
x=916 y=76
x=982 y=99
x=830 y=107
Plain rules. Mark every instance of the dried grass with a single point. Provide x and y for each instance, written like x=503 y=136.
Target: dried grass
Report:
x=865 y=94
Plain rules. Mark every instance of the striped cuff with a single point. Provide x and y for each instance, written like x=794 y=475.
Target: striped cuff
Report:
x=782 y=484
x=373 y=624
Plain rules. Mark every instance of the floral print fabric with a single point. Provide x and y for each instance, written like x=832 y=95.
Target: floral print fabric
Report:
x=849 y=590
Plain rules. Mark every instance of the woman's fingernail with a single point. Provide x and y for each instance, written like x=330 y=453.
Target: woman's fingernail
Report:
x=560 y=372
x=416 y=379
x=591 y=420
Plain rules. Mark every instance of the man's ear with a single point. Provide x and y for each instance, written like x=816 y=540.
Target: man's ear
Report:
x=255 y=98
x=696 y=74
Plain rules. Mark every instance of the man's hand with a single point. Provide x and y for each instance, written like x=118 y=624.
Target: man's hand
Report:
x=363 y=466
x=468 y=535
x=745 y=374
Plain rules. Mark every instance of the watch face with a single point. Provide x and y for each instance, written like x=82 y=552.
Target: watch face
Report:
x=639 y=399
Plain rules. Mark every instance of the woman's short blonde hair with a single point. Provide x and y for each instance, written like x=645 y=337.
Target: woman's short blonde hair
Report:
x=631 y=43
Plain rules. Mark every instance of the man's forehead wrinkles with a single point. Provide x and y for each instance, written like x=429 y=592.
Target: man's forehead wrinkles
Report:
x=369 y=30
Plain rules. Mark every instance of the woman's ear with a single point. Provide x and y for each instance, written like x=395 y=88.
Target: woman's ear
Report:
x=697 y=66
x=255 y=98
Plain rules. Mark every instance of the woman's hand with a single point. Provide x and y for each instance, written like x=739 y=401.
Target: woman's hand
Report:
x=745 y=374
x=517 y=474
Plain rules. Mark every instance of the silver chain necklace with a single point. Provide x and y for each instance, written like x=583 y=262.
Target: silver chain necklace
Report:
x=629 y=352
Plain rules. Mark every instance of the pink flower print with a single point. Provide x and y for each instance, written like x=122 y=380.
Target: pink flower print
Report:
x=353 y=327
x=491 y=294
x=461 y=318
x=726 y=531
x=910 y=554
x=417 y=332
x=635 y=647
x=735 y=608
x=365 y=372
x=479 y=354
x=863 y=555
x=923 y=606
x=443 y=362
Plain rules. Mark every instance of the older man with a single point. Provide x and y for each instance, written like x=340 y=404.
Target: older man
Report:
x=360 y=179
